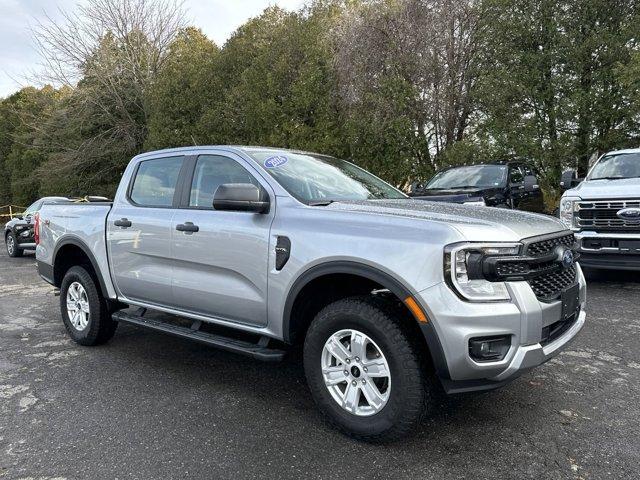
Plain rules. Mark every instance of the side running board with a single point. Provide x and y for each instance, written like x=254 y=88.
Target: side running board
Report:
x=259 y=350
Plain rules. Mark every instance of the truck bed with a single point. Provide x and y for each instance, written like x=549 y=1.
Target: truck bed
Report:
x=82 y=224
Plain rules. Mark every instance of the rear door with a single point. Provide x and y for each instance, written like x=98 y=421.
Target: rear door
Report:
x=221 y=270
x=535 y=198
x=516 y=187
x=522 y=199
x=139 y=232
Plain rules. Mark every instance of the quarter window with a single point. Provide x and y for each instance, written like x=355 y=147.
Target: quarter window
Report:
x=211 y=172
x=155 y=182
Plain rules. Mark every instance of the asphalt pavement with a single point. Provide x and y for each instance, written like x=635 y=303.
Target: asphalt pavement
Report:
x=149 y=406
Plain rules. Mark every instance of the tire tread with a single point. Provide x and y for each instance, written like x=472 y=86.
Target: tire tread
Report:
x=101 y=326
x=416 y=397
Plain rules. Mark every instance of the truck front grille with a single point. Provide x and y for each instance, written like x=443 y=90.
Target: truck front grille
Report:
x=545 y=247
x=601 y=216
x=549 y=286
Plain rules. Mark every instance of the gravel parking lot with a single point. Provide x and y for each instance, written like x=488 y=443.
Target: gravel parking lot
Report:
x=150 y=406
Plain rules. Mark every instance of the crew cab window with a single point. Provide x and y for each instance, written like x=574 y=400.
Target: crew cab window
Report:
x=211 y=172
x=515 y=175
x=156 y=181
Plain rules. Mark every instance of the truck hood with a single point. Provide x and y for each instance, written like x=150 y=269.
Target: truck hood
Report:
x=472 y=222
x=606 y=189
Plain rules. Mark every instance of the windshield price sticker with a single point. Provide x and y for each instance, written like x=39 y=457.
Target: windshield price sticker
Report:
x=277 y=161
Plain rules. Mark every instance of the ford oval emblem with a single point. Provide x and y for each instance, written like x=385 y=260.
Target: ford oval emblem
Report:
x=567 y=258
x=631 y=214
x=275 y=161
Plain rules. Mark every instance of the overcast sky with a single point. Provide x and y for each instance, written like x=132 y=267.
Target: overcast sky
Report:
x=217 y=19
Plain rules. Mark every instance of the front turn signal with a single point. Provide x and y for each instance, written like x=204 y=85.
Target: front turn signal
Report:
x=415 y=309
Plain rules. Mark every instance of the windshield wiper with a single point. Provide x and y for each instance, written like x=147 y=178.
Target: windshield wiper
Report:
x=321 y=203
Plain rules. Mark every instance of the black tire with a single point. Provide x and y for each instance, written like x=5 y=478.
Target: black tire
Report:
x=413 y=383
x=16 y=251
x=100 y=327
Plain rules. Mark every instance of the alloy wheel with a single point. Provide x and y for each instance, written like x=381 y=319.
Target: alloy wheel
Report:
x=10 y=244
x=356 y=372
x=78 y=306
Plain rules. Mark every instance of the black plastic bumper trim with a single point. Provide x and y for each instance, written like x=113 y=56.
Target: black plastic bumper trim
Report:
x=45 y=271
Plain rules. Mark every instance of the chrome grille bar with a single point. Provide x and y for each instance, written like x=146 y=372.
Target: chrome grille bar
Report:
x=601 y=215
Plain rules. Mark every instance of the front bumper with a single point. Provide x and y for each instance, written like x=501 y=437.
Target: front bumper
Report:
x=455 y=322
x=618 y=251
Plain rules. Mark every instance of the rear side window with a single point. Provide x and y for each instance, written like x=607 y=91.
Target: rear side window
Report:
x=211 y=172
x=155 y=182
x=33 y=208
x=515 y=175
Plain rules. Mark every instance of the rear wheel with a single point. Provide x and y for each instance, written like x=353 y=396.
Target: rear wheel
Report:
x=12 y=246
x=365 y=370
x=85 y=313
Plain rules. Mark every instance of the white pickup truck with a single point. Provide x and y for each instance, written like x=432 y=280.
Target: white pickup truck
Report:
x=603 y=210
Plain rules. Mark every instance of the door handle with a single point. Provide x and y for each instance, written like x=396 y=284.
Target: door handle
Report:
x=188 y=227
x=123 y=222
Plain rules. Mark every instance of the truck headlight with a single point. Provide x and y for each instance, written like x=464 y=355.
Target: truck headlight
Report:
x=463 y=270
x=567 y=209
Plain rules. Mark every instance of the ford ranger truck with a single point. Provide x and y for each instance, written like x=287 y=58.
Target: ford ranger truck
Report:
x=253 y=249
x=603 y=211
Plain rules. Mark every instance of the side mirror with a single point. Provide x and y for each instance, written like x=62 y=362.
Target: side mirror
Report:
x=241 y=197
x=531 y=183
x=569 y=179
x=415 y=186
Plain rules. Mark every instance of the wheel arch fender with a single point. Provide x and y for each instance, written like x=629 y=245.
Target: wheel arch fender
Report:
x=396 y=286
x=78 y=243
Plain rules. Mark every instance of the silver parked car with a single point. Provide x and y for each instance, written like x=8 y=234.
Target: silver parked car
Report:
x=392 y=298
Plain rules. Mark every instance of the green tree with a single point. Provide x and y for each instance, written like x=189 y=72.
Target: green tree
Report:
x=23 y=150
x=186 y=88
x=548 y=89
x=277 y=84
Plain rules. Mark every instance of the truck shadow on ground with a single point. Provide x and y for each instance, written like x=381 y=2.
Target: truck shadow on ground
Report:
x=279 y=390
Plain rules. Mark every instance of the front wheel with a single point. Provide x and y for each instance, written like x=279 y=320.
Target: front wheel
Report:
x=12 y=246
x=84 y=312
x=365 y=371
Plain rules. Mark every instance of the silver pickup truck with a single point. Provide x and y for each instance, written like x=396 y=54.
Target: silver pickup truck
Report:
x=603 y=210
x=253 y=249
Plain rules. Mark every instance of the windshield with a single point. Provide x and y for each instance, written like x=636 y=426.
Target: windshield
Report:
x=319 y=179
x=481 y=176
x=623 y=165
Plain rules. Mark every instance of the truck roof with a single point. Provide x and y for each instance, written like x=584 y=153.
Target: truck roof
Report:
x=243 y=148
x=626 y=150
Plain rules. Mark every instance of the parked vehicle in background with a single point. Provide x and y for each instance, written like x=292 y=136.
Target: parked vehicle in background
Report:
x=385 y=293
x=603 y=210
x=19 y=231
x=506 y=185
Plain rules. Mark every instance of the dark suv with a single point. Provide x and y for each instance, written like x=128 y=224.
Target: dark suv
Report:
x=18 y=232
x=507 y=185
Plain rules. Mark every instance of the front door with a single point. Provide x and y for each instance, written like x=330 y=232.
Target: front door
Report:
x=139 y=233
x=221 y=269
